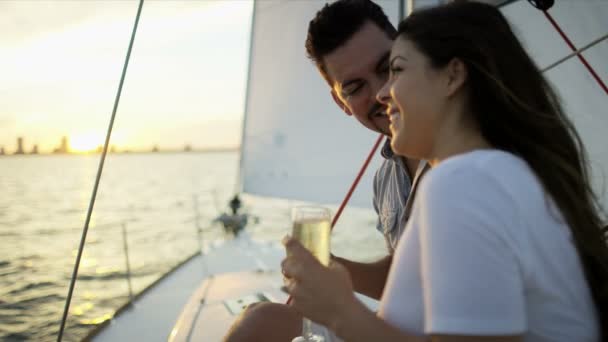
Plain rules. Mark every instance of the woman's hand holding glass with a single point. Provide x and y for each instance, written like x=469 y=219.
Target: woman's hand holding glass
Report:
x=323 y=294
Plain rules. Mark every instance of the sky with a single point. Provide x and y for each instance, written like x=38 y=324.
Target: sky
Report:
x=61 y=61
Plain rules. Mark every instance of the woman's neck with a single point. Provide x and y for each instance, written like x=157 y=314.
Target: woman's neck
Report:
x=458 y=141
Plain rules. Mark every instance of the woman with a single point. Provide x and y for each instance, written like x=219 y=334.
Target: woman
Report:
x=505 y=242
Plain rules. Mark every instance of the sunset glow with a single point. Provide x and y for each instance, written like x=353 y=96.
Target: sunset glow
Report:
x=62 y=63
x=85 y=142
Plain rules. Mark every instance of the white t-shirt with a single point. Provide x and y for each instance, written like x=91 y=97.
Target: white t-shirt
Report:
x=486 y=252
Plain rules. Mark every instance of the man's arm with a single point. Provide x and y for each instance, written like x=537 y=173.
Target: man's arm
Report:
x=368 y=278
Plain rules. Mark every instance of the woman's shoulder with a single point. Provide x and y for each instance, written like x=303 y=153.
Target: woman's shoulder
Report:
x=479 y=172
x=481 y=160
x=490 y=162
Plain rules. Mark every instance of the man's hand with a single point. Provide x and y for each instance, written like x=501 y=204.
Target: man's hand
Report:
x=367 y=278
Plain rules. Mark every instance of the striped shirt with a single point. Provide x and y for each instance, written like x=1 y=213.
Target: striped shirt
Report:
x=392 y=199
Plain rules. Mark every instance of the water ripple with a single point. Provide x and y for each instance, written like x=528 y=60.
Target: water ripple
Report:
x=43 y=216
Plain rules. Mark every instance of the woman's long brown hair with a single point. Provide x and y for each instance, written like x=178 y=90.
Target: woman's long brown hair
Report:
x=517 y=111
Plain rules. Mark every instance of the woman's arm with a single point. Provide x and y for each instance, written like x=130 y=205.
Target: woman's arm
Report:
x=325 y=295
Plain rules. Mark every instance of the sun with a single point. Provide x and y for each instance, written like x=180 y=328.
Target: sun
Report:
x=85 y=142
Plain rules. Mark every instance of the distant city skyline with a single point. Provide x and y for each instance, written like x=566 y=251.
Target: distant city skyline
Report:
x=62 y=60
x=21 y=147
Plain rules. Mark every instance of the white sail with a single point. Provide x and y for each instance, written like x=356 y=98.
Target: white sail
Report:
x=297 y=143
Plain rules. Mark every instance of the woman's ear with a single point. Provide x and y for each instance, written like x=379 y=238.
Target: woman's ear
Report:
x=457 y=74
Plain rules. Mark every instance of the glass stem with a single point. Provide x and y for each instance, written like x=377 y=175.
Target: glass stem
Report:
x=306 y=329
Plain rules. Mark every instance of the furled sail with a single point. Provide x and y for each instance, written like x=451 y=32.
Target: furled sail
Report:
x=297 y=143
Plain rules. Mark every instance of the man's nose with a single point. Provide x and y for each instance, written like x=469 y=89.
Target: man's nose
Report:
x=383 y=94
x=378 y=83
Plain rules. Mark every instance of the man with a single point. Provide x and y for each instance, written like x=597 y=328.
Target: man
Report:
x=350 y=42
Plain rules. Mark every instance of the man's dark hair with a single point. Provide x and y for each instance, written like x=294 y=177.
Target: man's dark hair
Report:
x=337 y=22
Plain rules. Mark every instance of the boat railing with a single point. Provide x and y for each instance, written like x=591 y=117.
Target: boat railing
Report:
x=125 y=245
x=134 y=295
x=196 y=219
x=126 y=241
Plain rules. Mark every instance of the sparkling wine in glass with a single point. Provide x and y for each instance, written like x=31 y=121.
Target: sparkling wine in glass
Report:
x=312 y=228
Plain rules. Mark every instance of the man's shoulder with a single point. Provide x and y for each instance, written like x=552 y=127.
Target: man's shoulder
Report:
x=392 y=176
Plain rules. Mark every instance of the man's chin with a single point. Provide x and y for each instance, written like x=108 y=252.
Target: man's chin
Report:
x=386 y=131
x=382 y=126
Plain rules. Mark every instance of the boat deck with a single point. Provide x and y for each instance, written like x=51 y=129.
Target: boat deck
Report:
x=217 y=302
x=154 y=313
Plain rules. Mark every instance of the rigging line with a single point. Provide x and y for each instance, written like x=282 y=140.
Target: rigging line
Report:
x=98 y=178
x=573 y=48
x=352 y=187
x=577 y=52
x=356 y=182
x=505 y=3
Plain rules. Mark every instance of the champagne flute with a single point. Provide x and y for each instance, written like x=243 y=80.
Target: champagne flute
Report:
x=312 y=228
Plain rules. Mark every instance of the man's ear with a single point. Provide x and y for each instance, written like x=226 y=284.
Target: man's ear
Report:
x=457 y=75
x=339 y=102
